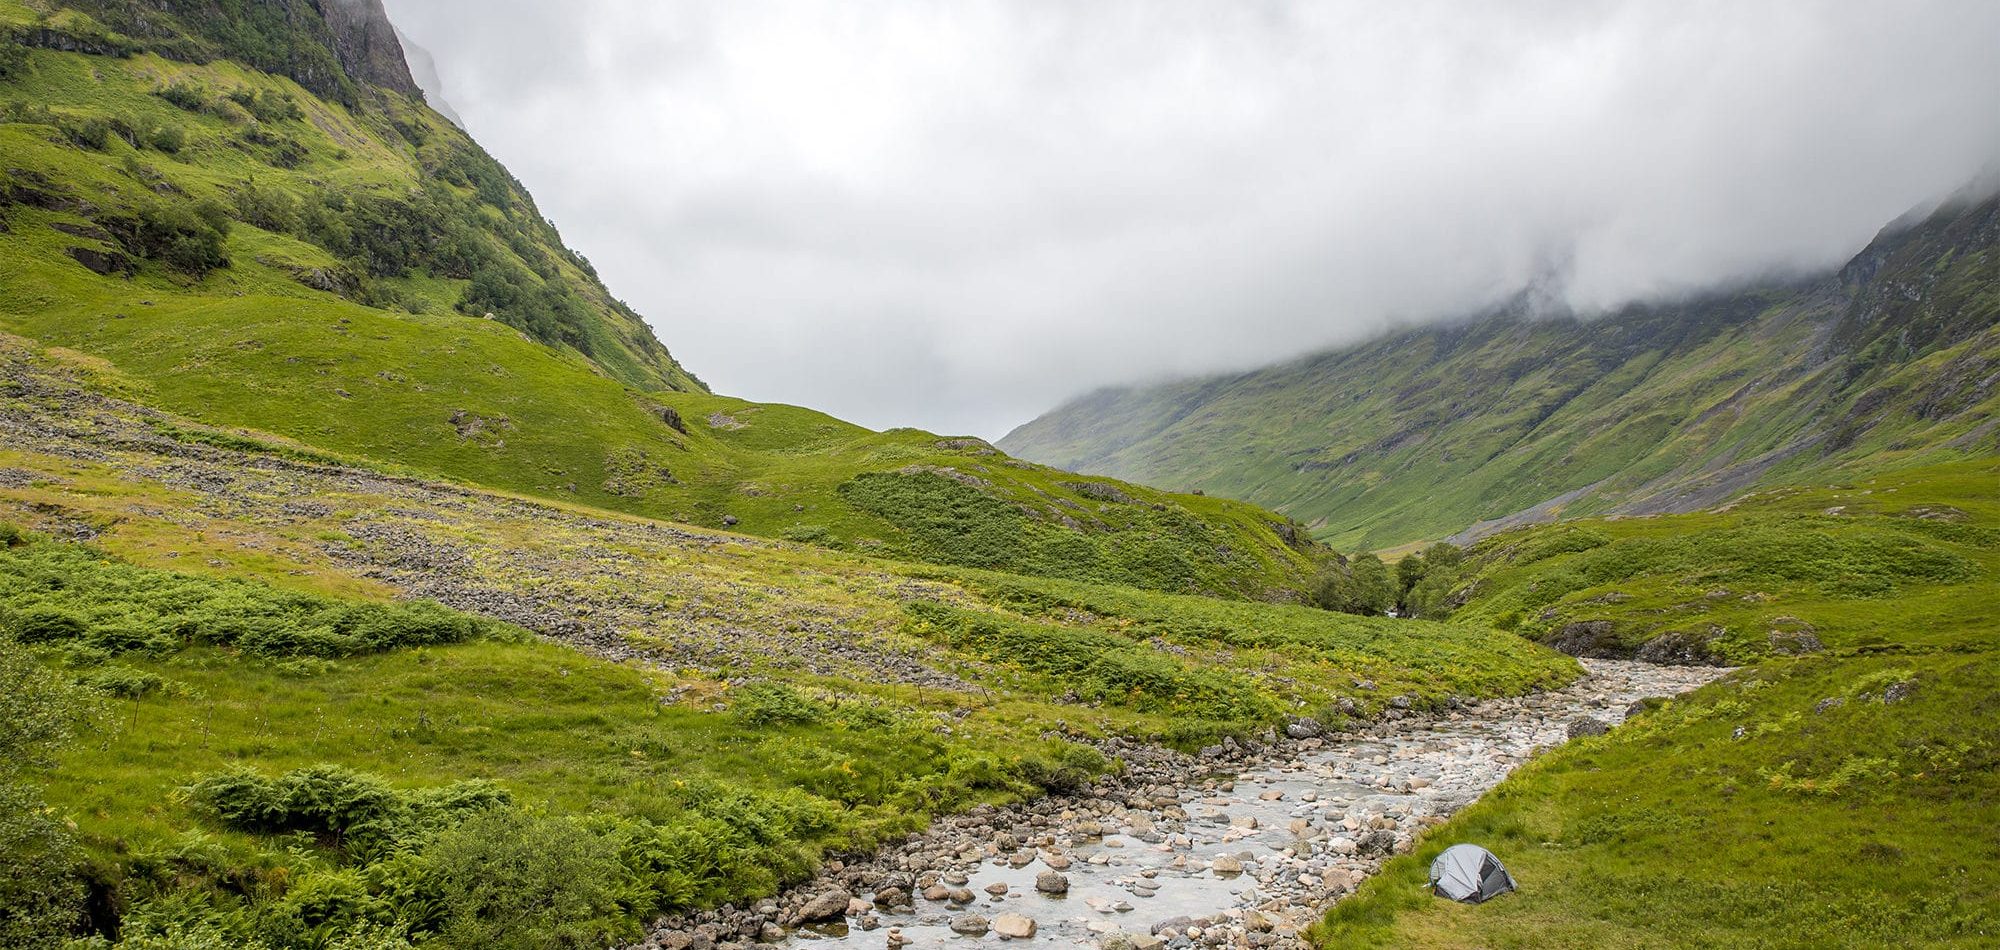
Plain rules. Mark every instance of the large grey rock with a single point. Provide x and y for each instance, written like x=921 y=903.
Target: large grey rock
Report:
x=1583 y=638
x=831 y=905
x=1304 y=728
x=1586 y=726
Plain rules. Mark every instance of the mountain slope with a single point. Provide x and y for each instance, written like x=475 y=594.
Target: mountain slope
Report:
x=1507 y=417
x=312 y=253
x=172 y=149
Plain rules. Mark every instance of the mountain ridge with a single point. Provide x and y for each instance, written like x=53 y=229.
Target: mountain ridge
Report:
x=1423 y=432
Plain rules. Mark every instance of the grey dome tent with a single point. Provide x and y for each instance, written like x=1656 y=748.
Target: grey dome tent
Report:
x=1469 y=873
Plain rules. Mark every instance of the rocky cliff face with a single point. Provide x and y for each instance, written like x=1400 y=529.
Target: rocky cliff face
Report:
x=367 y=46
x=331 y=47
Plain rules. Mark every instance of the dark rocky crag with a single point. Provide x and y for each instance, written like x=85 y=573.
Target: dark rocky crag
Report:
x=334 y=48
x=367 y=45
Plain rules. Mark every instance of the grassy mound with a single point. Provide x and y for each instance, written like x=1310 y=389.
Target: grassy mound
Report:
x=1887 y=561
x=1837 y=793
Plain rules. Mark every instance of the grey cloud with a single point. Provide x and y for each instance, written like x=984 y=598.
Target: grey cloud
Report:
x=954 y=214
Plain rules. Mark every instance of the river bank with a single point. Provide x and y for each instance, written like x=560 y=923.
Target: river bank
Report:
x=1240 y=847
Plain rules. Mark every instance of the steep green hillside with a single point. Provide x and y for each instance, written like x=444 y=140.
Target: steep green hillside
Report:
x=320 y=260
x=1511 y=417
x=166 y=159
x=1838 y=792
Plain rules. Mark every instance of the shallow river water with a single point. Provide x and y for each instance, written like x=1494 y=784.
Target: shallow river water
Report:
x=1302 y=833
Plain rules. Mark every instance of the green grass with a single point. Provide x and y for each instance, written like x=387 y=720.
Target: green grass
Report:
x=1839 y=799
x=1886 y=562
x=392 y=368
x=758 y=797
x=848 y=762
x=705 y=792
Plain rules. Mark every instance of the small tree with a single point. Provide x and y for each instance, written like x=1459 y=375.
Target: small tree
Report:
x=1361 y=586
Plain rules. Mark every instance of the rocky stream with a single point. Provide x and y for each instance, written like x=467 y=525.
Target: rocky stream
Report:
x=1238 y=847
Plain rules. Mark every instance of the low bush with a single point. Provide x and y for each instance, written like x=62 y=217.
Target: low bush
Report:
x=186 y=237
x=1068 y=769
x=947 y=521
x=343 y=808
x=774 y=704
x=513 y=880
x=1097 y=666
x=70 y=595
x=122 y=682
x=185 y=96
x=170 y=139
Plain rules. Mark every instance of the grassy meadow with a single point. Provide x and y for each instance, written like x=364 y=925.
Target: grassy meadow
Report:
x=1838 y=796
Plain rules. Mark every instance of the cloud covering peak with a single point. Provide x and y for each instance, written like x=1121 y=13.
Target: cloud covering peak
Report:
x=955 y=214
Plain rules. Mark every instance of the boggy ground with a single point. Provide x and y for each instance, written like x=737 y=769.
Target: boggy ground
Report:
x=1239 y=847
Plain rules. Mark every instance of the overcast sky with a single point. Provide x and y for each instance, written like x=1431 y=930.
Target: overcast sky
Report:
x=956 y=214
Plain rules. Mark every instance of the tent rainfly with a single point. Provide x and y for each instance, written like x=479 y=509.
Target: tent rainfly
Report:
x=1469 y=873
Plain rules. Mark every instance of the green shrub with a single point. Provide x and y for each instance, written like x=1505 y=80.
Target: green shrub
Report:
x=510 y=880
x=13 y=58
x=1066 y=769
x=1362 y=586
x=93 y=133
x=344 y=808
x=122 y=682
x=774 y=704
x=272 y=209
x=167 y=138
x=339 y=805
x=46 y=625
x=186 y=237
x=186 y=96
x=267 y=106
x=68 y=594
